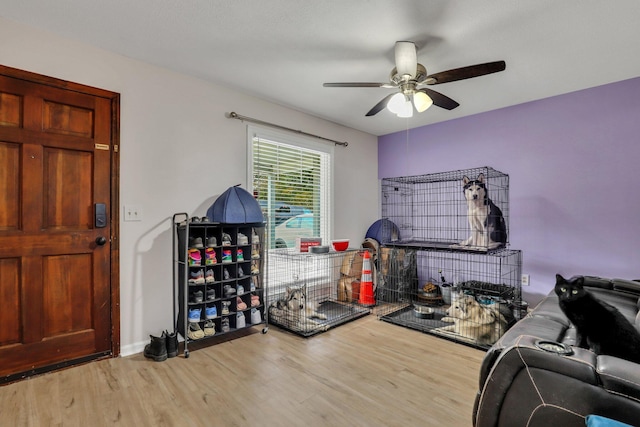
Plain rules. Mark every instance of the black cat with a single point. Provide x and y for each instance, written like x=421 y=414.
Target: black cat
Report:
x=599 y=326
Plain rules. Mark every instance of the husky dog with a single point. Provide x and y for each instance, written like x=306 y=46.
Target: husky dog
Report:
x=296 y=313
x=488 y=229
x=470 y=319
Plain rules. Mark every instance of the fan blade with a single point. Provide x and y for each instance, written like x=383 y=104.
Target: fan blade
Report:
x=380 y=105
x=440 y=100
x=465 y=73
x=357 y=85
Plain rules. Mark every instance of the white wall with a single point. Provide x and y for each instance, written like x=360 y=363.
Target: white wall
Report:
x=178 y=153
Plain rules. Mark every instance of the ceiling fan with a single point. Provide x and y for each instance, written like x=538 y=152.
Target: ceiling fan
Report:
x=409 y=77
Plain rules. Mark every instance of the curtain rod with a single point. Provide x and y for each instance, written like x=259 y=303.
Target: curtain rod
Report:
x=234 y=115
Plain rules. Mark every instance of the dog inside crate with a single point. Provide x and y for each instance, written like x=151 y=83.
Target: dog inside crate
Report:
x=481 y=291
x=296 y=312
x=304 y=291
x=480 y=322
x=465 y=209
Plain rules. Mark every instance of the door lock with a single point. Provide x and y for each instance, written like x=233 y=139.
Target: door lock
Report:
x=100 y=215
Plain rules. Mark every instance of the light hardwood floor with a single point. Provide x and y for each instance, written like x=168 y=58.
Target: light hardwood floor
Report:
x=364 y=373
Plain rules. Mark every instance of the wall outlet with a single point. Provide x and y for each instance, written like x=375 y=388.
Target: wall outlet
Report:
x=132 y=213
x=525 y=280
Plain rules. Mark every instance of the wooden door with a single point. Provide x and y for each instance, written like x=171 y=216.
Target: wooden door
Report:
x=56 y=257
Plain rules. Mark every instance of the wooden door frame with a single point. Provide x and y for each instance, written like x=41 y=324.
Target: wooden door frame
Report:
x=115 y=180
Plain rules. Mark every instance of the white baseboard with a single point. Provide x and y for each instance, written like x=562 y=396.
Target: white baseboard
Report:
x=130 y=349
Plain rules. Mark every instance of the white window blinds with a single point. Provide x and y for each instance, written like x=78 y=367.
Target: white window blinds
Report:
x=292 y=182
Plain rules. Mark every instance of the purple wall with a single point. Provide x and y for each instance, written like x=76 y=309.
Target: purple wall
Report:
x=574 y=181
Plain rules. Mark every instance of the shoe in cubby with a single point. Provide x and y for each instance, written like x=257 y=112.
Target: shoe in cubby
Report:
x=255 y=300
x=239 y=255
x=211 y=294
x=211 y=312
x=195 y=258
x=212 y=242
x=241 y=272
x=256 y=317
x=194 y=315
x=240 y=289
x=254 y=237
x=255 y=253
x=242 y=239
x=240 y=305
x=195 y=243
x=195 y=332
x=209 y=277
x=226 y=239
x=210 y=256
x=196 y=297
x=196 y=277
x=209 y=328
x=225 y=307
x=252 y=285
x=240 y=320
x=227 y=256
x=229 y=290
x=226 y=275
x=225 y=324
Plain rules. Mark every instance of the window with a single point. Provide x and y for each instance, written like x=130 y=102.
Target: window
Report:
x=290 y=176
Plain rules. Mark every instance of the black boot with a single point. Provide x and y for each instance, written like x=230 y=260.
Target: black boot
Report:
x=172 y=343
x=157 y=348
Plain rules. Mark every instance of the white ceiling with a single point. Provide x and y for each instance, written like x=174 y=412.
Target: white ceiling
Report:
x=283 y=50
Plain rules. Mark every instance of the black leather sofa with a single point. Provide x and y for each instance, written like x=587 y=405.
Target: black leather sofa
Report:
x=533 y=376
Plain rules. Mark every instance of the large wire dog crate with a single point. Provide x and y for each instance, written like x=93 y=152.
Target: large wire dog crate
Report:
x=421 y=287
x=310 y=293
x=431 y=210
x=431 y=278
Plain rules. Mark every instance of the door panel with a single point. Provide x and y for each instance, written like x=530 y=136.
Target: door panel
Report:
x=9 y=300
x=55 y=281
x=10 y=110
x=66 y=295
x=68 y=194
x=9 y=186
x=67 y=119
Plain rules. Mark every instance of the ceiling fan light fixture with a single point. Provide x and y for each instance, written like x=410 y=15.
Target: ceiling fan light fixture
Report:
x=408 y=76
x=406 y=59
x=422 y=101
x=407 y=109
x=396 y=103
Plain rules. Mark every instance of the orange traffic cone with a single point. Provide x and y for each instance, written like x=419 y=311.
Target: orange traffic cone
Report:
x=366 y=297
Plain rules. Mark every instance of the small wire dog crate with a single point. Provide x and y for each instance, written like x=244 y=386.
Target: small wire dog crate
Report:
x=312 y=292
x=432 y=209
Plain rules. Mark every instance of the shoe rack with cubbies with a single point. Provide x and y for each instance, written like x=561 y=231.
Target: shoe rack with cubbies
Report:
x=218 y=282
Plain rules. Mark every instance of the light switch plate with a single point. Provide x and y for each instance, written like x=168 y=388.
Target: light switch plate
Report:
x=132 y=213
